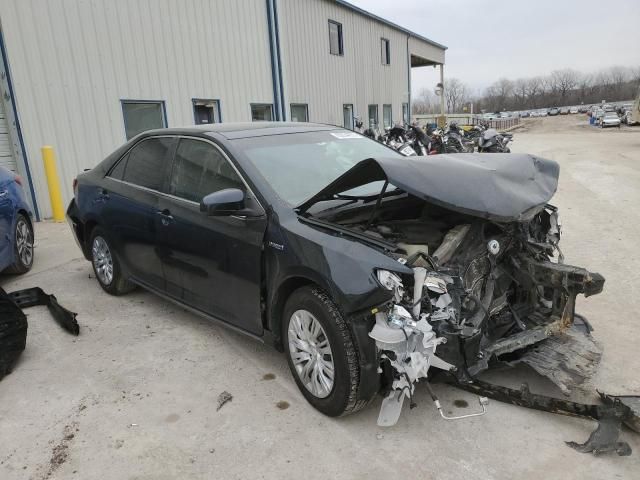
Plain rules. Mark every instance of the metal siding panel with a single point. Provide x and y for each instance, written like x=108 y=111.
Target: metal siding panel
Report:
x=73 y=61
x=7 y=159
x=312 y=75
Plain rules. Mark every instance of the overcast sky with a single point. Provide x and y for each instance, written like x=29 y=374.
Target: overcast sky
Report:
x=489 y=39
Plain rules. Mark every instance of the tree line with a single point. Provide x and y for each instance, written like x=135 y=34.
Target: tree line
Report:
x=561 y=88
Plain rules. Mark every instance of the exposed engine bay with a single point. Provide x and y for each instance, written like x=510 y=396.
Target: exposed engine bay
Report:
x=481 y=291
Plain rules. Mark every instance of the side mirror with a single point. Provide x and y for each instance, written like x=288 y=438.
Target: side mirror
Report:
x=229 y=201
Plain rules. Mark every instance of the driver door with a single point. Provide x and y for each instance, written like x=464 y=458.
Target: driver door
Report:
x=212 y=264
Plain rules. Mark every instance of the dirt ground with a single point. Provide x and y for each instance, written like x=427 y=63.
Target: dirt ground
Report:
x=135 y=395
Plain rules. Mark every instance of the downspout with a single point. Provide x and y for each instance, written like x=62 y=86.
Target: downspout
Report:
x=283 y=105
x=16 y=121
x=408 y=119
x=275 y=71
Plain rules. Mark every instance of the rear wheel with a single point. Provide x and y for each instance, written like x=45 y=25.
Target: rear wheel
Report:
x=23 y=246
x=321 y=352
x=106 y=266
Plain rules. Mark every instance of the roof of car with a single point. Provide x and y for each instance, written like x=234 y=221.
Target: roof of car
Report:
x=233 y=131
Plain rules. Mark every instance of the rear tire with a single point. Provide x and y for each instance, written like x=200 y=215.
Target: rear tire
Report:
x=106 y=265
x=310 y=310
x=23 y=249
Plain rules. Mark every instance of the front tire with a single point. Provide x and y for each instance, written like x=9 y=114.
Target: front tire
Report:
x=106 y=266
x=23 y=246
x=321 y=352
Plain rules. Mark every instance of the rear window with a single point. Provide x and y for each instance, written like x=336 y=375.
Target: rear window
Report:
x=145 y=164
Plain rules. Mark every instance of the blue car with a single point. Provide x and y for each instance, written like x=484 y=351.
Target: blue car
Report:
x=16 y=225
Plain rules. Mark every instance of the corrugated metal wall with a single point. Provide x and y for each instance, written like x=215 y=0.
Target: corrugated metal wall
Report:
x=312 y=75
x=7 y=160
x=72 y=61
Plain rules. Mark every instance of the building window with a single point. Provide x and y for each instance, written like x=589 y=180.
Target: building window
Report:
x=385 y=51
x=335 y=38
x=206 y=111
x=142 y=115
x=347 y=116
x=373 y=116
x=299 y=112
x=387 y=116
x=261 y=112
x=405 y=113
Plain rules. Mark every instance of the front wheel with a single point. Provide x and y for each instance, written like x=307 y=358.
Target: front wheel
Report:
x=106 y=266
x=321 y=352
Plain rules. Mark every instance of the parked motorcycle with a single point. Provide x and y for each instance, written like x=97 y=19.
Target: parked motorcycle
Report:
x=493 y=142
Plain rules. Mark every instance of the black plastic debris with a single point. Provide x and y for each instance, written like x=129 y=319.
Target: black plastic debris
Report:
x=13 y=322
x=30 y=297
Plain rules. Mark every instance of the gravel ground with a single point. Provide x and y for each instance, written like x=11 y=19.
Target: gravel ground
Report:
x=135 y=395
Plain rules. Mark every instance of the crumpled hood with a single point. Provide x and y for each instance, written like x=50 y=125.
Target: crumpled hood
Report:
x=504 y=187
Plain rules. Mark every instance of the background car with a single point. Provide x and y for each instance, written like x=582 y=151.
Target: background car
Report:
x=564 y=111
x=553 y=111
x=16 y=225
x=610 y=119
x=573 y=110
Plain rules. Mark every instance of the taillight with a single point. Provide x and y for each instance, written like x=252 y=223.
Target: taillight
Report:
x=75 y=187
x=18 y=180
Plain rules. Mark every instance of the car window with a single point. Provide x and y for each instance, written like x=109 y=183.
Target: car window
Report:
x=145 y=164
x=298 y=165
x=200 y=169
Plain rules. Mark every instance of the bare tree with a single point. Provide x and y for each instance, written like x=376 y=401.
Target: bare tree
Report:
x=563 y=81
x=455 y=94
x=425 y=102
x=534 y=89
x=520 y=92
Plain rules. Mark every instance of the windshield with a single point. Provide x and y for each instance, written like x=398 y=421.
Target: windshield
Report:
x=299 y=165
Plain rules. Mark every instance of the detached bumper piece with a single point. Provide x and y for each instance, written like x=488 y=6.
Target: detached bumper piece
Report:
x=610 y=416
x=13 y=322
x=30 y=297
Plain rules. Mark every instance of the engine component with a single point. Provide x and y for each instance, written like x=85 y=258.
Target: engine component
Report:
x=451 y=242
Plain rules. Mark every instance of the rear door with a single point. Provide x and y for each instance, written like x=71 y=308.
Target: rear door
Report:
x=212 y=264
x=128 y=203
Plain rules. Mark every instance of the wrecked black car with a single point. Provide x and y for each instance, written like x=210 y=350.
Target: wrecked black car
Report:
x=370 y=270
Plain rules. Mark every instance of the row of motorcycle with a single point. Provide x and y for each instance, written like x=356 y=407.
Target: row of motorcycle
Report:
x=411 y=139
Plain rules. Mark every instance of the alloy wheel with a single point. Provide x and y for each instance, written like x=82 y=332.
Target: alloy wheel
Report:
x=102 y=260
x=24 y=242
x=310 y=353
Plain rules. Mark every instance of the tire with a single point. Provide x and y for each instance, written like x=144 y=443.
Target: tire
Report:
x=23 y=249
x=106 y=266
x=342 y=397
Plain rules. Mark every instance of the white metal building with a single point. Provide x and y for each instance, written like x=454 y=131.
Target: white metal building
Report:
x=86 y=75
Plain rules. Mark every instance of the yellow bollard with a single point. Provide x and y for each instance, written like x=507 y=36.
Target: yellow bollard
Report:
x=53 y=182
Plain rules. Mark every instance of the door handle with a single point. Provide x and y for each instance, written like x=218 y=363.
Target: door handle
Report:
x=166 y=217
x=103 y=195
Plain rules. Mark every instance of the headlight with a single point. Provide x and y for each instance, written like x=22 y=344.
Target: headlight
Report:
x=388 y=280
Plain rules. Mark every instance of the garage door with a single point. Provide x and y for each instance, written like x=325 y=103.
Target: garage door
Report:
x=6 y=153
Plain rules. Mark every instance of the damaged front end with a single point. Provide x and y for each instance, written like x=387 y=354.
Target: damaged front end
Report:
x=488 y=284
x=487 y=292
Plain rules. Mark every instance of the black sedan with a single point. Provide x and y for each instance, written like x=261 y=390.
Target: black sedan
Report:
x=366 y=267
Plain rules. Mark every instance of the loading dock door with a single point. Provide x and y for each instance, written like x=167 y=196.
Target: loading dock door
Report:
x=7 y=159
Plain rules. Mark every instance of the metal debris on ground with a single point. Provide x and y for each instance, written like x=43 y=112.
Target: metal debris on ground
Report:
x=610 y=415
x=223 y=398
